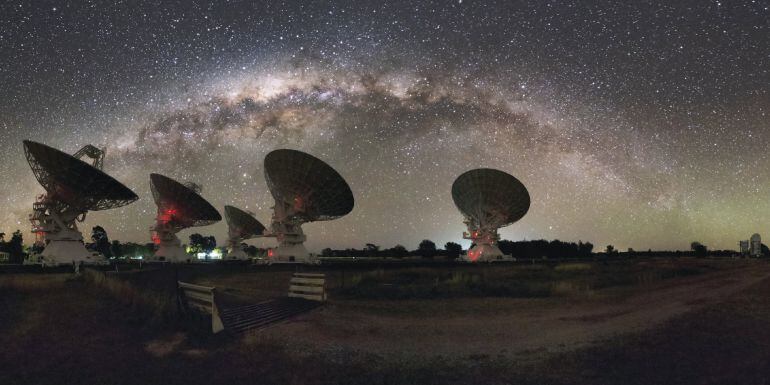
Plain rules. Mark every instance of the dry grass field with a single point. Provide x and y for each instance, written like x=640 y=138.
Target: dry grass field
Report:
x=656 y=321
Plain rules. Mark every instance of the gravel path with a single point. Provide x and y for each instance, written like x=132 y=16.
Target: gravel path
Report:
x=523 y=328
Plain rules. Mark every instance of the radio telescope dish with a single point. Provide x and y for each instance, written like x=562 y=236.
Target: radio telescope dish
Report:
x=179 y=207
x=241 y=226
x=489 y=199
x=73 y=187
x=305 y=189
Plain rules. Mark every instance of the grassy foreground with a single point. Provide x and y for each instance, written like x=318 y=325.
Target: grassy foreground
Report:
x=60 y=329
x=446 y=281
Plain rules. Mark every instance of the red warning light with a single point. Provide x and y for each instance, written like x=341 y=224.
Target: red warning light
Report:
x=167 y=215
x=299 y=203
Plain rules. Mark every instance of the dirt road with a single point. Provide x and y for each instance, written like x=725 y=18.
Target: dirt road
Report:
x=521 y=328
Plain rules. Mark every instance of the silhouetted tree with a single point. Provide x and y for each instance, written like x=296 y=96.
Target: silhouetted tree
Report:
x=197 y=243
x=610 y=250
x=209 y=244
x=426 y=249
x=101 y=242
x=327 y=252
x=765 y=250
x=453 y=250
x=371 y=250
x=585 y=249
x=3 y=243
x=700 y=250
x=542 y=248
x=117 y=249
x=15 y=247
x=398 y=251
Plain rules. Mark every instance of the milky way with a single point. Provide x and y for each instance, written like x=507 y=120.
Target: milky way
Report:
x=639 y=125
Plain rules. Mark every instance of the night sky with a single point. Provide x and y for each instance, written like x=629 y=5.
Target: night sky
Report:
x=641 y=125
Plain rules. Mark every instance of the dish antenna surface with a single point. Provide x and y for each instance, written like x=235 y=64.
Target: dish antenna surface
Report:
x=179 y=207
x=489 y=199
x=241 y=226
x=73 y=188
x=305 y=189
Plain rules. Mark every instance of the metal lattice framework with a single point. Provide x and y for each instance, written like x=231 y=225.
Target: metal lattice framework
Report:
x=242 y=224
x=310 y=189
x=490 y=199
x=92 y=152
x=74 y=182
x=179 y=206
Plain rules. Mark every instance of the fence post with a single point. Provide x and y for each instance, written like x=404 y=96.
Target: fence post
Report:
x=216 y=320
x=204 y=299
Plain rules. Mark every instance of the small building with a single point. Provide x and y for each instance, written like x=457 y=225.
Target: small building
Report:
x=744 y=245
x=755 y=247
x=5 y=257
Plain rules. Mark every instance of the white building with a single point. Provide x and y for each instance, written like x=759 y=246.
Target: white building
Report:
x=755 y=247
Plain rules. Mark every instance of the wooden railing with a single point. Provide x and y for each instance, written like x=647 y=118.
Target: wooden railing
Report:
x=202 y=298
x=310 y=286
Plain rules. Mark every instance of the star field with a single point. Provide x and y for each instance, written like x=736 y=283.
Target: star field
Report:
x=639 y=124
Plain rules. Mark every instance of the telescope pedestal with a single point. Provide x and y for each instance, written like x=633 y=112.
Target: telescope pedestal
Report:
x=66 y=247
x=485 y=249
x=291 y=248
x=170 y=249
x=483 y=253
x=290 y=253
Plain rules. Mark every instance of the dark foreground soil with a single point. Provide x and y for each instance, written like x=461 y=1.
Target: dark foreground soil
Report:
x=725 y=343
x=56 y=330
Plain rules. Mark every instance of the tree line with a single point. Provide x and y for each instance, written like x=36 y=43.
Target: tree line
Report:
x=542 y=248
x=532 y=249
x=100 y=242
x=14 y=246
x=428 y=249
